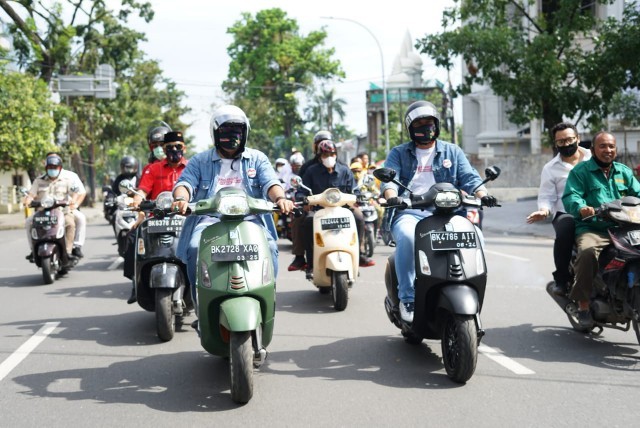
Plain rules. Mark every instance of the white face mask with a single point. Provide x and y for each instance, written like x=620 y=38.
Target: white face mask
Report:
x=329 y=162
x=278 y=169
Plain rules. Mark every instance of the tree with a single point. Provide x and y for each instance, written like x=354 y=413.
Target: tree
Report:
x=323 y=107
x=26 y=122
x=270 y=63
x=563 y=62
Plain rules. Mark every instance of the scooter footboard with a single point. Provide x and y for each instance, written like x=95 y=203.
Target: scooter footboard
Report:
x=240 y=314
x=459 y=299
x=165 y=275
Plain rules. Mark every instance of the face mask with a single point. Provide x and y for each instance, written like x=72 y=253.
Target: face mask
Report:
x=53 y=173
x=424 y=133
x=600 y=163
x=158 y=153
x=174 y=156
x=568 y=151
x=329 y=162
x=278 y=169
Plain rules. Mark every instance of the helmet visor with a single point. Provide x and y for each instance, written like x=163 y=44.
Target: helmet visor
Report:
x=420 y=112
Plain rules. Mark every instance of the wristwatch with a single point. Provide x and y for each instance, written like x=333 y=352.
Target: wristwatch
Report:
x=180 y=198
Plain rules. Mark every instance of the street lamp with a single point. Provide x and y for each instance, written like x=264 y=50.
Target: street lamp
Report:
x=384 y=83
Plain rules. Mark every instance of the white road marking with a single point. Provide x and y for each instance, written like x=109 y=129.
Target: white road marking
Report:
x=116 y=263
x=509 y=256
x=23 y=351
x=505 y=361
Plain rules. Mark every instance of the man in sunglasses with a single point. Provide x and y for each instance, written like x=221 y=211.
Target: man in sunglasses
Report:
x=552 y=182
x=157 y=178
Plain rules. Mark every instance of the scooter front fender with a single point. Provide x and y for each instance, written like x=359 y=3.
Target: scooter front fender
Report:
x=340 y=261
x=459 y=299
x=45 y=249
x=165 y=275
x=240 y=314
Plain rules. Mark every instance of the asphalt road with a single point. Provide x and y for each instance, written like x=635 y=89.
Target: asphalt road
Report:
x=99 y=362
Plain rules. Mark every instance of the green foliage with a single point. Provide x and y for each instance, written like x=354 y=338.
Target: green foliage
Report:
x=561 y=63
x=626 y=106
x=270 y=63
x=26 y=122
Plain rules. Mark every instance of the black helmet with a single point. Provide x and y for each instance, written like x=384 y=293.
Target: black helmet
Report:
x=157 y=131
x=320 y=136
x=419 y=110
x=232 y=117
x=129 y=165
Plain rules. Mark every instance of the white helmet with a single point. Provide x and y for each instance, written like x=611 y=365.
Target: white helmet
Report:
x=229 y=115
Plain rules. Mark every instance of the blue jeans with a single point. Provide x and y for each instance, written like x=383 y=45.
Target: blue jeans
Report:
x=192 y=252
x=403 y=231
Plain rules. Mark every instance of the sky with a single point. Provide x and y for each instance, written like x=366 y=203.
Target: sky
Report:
x=189 y=39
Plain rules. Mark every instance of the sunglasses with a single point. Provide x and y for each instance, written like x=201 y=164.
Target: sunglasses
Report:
x=174 y=147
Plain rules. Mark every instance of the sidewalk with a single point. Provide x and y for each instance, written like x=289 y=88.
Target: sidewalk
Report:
x=16 y=220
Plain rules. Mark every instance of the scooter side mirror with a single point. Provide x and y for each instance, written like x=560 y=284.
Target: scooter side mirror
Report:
x=492 y=172
x=295 y=181
x=386 y=175
x=125 y=186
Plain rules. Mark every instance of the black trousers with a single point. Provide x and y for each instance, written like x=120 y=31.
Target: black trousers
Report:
x=564 y=225
x=308 y=231
x=129 y=255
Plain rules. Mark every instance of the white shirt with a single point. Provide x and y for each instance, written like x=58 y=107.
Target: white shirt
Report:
x=423 y=178
x=229 y=177
x=553 y=180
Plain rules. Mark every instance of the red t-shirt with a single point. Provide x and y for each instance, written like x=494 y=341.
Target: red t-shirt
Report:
x=160 y=177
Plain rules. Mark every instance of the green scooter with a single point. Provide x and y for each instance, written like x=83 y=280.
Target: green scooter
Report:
x=235 y=286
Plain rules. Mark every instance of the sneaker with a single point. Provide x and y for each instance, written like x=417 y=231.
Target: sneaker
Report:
x=406 y=311
x=309 y=273
x=196 y=326
x=29 y=257
x=77 y=251
x=366 y=261
x=559 y=289
x=132 y=298
x=298 y=264
x=584 y=319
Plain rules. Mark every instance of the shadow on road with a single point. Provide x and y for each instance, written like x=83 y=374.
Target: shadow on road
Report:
x=383 y=360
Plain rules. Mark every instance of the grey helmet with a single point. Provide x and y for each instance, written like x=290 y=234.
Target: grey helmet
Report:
x=419 y=110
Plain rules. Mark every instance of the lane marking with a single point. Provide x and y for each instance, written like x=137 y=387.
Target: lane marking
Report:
x=116 y=263
x=509 y=256
x=505 y=361
x=23 y=351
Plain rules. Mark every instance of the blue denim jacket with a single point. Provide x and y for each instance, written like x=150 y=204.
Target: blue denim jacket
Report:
x=200 y=178
x=449 y=165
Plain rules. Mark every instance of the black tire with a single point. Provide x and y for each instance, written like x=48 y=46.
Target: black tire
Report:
x=324 y=290
x=241 y=366
x=165 y=321
x=411 y=338
x=49 y=267
x=636 y=328
x=369 y=242
x=340 y=290
x=459 y=347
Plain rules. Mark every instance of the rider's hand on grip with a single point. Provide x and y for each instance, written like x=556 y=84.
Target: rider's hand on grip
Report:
x=489 y=201
x=395 y=201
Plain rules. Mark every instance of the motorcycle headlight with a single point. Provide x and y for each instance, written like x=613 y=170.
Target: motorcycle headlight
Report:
x=233 y=205
x=448 y=199
x=47 y=202
x=332 y=196
x=164 y=200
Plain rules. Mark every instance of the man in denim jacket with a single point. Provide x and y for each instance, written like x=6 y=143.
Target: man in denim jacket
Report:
x=229 y=164
x=419 y=164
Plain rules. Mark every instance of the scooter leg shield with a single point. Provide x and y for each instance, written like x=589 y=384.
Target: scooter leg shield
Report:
x=459 y=299
x=340 y=261
x=165 y=275
x=240 y=314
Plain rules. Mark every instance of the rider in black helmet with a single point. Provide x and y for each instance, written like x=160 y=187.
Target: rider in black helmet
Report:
x=155 y=138
x=128 y=171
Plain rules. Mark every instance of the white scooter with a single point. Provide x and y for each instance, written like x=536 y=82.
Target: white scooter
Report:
x=124 y=219
x=335 y=243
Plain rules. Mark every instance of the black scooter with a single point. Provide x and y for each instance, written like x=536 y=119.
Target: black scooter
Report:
x=451 y=275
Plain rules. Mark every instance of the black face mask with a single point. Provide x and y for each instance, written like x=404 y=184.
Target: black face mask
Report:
x=174 y=156
x=424 y=134
x=600 y=163
x=568 y=151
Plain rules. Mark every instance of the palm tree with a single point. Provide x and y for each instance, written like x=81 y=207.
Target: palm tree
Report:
x=323 y=107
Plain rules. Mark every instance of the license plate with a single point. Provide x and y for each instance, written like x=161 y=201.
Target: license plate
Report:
x=335 y=223
x=234 y=253
x=634 y=237
x=45 y=220
x=453 y=240
x=166 y=225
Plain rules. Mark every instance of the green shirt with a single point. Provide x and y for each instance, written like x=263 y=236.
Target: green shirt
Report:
x=588 y=186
